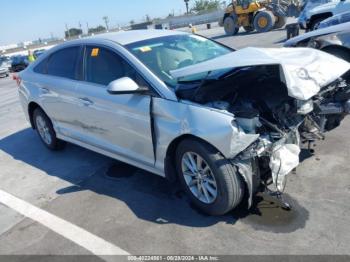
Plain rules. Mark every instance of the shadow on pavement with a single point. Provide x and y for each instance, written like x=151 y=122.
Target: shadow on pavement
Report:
x=149 y=196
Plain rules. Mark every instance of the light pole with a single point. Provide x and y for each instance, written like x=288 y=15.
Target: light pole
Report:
x=186 y=2
x=68 y=33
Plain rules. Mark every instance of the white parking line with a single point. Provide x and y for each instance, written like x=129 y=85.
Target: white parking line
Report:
x=83 y=238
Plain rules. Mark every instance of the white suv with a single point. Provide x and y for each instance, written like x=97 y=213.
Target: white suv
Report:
x=313 y=13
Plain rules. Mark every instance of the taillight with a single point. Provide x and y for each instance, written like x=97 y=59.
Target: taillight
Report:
x=17 y=78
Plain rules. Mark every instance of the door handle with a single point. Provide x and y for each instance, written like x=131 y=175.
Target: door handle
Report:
x=44 y=90
x=86 y=101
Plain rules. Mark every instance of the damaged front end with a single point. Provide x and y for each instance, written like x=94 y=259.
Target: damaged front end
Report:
x=284 y=102
x=331 y=105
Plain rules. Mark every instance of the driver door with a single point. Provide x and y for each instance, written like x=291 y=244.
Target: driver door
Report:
x=119 y=124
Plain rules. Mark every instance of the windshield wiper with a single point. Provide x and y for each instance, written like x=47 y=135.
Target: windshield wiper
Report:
x=204 y=80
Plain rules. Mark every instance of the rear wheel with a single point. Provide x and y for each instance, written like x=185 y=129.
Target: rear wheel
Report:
x=264 y=21
x=44 y=128
x=210 y=180
x=280 y=21
x=230 y=25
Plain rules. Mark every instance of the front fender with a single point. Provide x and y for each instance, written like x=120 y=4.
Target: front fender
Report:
x=218 y=128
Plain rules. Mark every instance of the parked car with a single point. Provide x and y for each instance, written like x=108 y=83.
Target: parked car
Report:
x=187 y=108
x=335 y=20
x=19 y=63
x=312 y=15
x=4 y=70
x=5 y=61
x=334 y=40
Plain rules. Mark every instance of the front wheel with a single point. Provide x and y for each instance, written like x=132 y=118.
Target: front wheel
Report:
x=264 y=21
x=45 y=130
x=209 y=179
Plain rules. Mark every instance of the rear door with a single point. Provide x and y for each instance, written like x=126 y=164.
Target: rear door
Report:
x=57 y=88
x=120 y=124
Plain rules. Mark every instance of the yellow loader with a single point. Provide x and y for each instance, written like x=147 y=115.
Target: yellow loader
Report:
x=262 y=16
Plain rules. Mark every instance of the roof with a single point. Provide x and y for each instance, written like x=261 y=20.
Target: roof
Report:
x=128 y=37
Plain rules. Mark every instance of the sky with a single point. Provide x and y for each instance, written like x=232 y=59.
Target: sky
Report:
x=25 y=20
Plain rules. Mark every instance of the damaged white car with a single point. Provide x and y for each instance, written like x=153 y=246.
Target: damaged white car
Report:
x=184 y=107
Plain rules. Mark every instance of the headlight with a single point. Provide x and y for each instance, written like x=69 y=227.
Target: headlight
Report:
x=305 y=107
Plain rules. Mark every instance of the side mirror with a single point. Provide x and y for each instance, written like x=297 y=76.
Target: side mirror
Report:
x=125 y=85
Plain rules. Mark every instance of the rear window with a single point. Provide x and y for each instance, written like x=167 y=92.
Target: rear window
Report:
x=41 y=68
x=63 y=62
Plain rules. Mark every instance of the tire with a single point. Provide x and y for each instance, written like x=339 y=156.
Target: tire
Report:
x=280 y=22
x=248 y=28
x=264 y=21
x=229 y=186
x=230 y=25
x=341 y=53
x=45 y=130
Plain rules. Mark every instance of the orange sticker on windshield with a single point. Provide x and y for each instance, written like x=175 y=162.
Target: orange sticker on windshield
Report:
x=145 y=49
x=95 y=51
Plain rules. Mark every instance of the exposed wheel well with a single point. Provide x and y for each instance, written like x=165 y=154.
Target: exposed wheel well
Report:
x=169 y=162
x=318 y=16
x=31 y=107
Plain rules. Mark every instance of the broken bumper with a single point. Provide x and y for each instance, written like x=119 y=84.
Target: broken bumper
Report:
x=282 y=155
x=335 y=108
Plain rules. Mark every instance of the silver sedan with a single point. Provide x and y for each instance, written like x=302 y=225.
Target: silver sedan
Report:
x=178 y=106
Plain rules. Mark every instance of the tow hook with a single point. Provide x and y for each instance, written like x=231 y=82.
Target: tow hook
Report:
x=278 y=195
x=284 y=204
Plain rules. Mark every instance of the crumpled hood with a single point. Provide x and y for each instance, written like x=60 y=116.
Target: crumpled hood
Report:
x=304 y=70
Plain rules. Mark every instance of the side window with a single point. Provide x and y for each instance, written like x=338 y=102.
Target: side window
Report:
x=345 y=17
x=63 y=62
x=41 y=68
x=104 y=66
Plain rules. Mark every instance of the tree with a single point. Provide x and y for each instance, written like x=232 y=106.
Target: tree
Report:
x=201 y=6
x=73 y=32
x=97 y=29
x=132 y=22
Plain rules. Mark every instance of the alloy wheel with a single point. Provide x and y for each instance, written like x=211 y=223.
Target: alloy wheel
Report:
x=43 y=129
x=199 y=177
